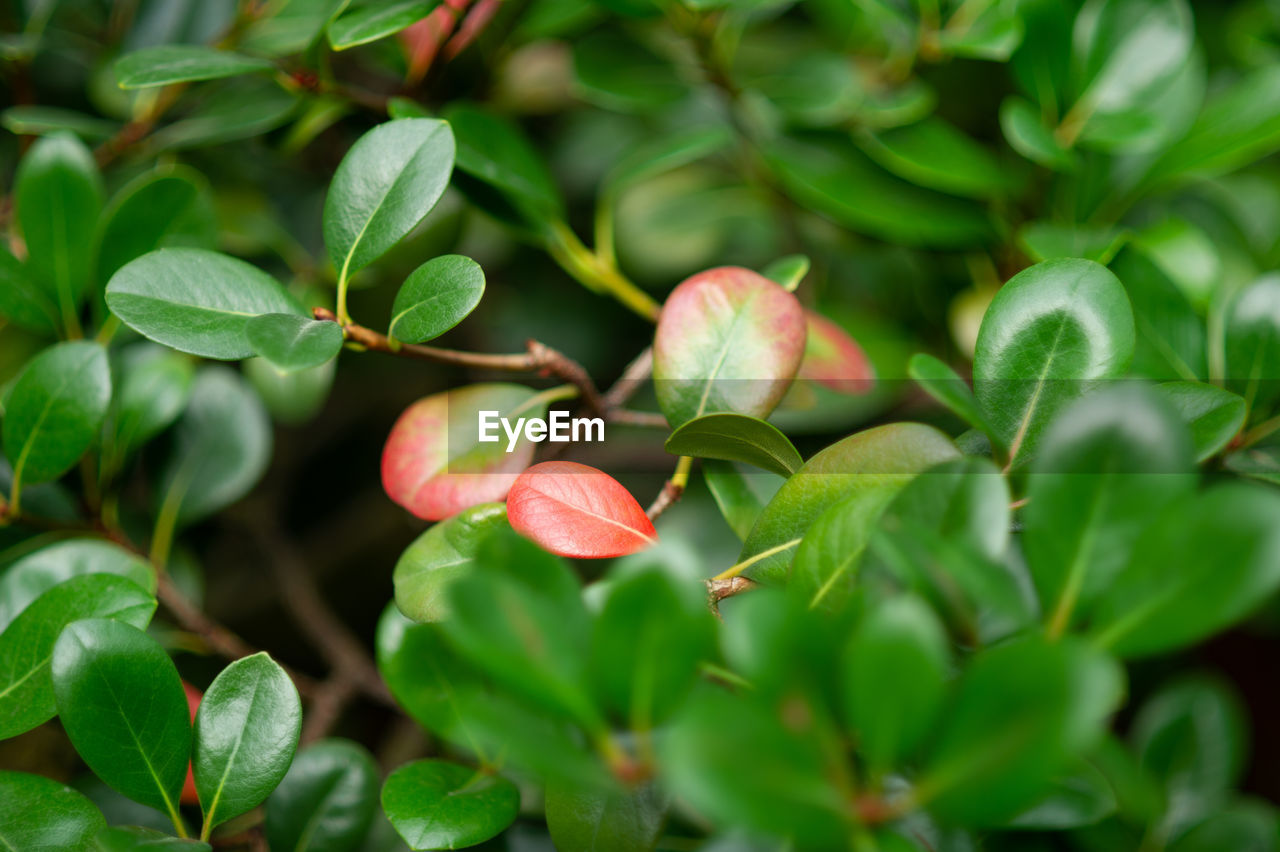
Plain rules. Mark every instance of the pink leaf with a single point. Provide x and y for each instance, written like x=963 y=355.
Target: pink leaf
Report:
x=571 y=509
x=834 y=359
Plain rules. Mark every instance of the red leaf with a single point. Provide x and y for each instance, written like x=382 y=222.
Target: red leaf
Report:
x=571 y=509
x=834 y=359
x=189 y=795
x=432 y=464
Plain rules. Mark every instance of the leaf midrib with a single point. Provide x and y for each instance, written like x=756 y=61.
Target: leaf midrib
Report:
x=235 y=751
x=21 y=463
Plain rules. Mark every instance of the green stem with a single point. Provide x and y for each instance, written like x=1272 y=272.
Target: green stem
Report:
x=595 y=273
x=166 y=524
x=344 y=318
x=735 y=570
x=15 y=493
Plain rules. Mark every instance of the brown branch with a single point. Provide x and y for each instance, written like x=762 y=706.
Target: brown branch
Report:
x=718 y=590
x=630 y=380
x=539 y=358
x=667 y=497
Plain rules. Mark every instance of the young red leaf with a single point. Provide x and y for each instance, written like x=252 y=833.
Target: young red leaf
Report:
x=729 y=339
x=834 y=359
x=434 y=464
x=571 y=509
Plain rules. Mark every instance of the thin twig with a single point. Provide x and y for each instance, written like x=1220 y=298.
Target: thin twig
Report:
x=672 y=489
x=718 y=590
x=539 y=358
x=631 y=379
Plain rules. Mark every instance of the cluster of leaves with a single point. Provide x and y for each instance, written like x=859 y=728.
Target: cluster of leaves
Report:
x=923 y=639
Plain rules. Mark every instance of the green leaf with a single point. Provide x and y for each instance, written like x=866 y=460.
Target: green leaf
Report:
x=37 y=813
x=604 y=821
x=1245 y=825
x=195 y=301
x=36 y=120
x=787 y=272
x=181 y=63
x=34 y=574
x=132 y=838
x=26 y=646
x=439 y=805
x=650 y=636
x=815 y=88
x=424 y=674
x=665 y=153
x=238 y=109
x=1050 y=332
x=435 y=297
x=1025 y=132
x=1019 y=715
x=1109 y=465
x=495 y=152
x=439 y=556
x=292 y=28
x=221 y=447
x=893 y=679
x=830 y=176
x=617 y=72
x=291 y=398
x=519 y=617
x=728 y=340
x=246 y=732
x=1186 y=254
x=292 y=342
x=54 y=410
x=327 y=800
x=123 y=706
x=1214 y=415
x=933 y=153
x=170 y=207
x=884 y=456
x=1209 y=561
x=385 y=185
x=825 y=570
x=1046 y=241
x=736 y=437
x=1191 y=735
x=1253 y=343
x=1171 y=339
x=22 y=301
x=943 y=384
x=58 y=194
x=1078 y=798
x=1239 y=124
x=370 y=21
x=740 y=495
x=153 y=389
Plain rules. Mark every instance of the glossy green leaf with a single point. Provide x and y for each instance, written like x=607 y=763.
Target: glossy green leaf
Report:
x=439 y=556
x=291 y=28
x=650 y=636
x=153 y=388
x=123 y=706
x=886 y=456
x=1051 y=331
x=604 y=821
x=728 y=340
x=1214 y=415
x=37 y=813
x=1025 y=132
x=1253 y=343
x=1019 y=714
x=132 y=838
x=37 y=120
x=788 y=271
x=370 y=21
x=292 y=342
x=1191 y=736
x=435 y=297
x=1171 y=339
x=1078 y=798
x=327 y=800
x=385 y=185
x=1046 y=241
x=496 y=153
x=439 y=805
x=1186 y=254
x=169 y=207
x=520 y=618
x=620 y=73
x=55 y=409
x=221 y=447
x=825 y=570
x=26 y=646
x=943 y=384
x=1246 y=825
x=236 y=109
x=58 y=194
x=195 y=301
x=933 y=153
x=1109 y=465
x=736 y=437
x=22 y=300
x=740 y=495
x=1209 y=561
x=291 y=398
x=181 y=63
x=828 y=175
x=246 y=732
x=893 y=680
x=424 y=674
x=33 y=575
x=993 y=32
